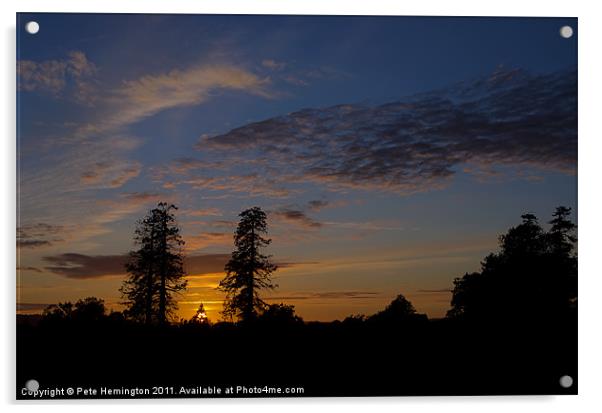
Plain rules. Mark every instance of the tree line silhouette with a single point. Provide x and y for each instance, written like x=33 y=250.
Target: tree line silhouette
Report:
x=511 y=327
x=533 y=276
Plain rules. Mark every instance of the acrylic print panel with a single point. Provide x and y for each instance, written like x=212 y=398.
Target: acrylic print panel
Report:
x=269 y=206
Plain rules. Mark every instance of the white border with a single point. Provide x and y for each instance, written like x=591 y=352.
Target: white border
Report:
x=590 y=211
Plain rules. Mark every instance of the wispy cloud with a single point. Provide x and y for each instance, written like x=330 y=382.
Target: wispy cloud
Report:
x=122 y=104
x=76 y=187
x=96 y=152
x=273 y=64
x=140 y=98
x=305 y=76
x=75 y=74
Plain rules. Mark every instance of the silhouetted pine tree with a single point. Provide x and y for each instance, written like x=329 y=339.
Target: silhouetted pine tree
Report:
x=156 y=268
x=248 y=270
x=562 y=233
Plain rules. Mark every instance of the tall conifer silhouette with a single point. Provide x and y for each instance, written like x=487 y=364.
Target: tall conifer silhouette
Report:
x=248 y=270
x=156 y=270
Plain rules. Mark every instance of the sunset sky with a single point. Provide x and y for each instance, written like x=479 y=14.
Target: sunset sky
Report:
x=389 y=152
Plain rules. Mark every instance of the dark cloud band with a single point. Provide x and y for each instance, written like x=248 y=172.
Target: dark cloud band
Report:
x=81 y=266
x=509 y=119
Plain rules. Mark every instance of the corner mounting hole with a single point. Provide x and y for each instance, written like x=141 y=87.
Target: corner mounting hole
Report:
x=32 y=385
x=566 y=381
x=566 y=32
x=32 y=27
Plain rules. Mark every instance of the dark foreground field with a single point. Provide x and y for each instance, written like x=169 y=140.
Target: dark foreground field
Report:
x=437 y=357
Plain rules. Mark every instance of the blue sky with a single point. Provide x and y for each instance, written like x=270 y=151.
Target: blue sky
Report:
x=389 y=151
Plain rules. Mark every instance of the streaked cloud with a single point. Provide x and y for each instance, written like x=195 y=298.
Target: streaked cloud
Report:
x=207 y=239
x=328 y=295
x=83 y=266
x=296 y=217
x=32 y=269
x=317 y=204
x=252 y=184
x=110 y=173
x=391 y=225
x=205 y=264
x=142 y=196
x=26 y=307
x=434 y=291
x=203 y=212
x=39 y=235
x=32 y=243
x=72 y=265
